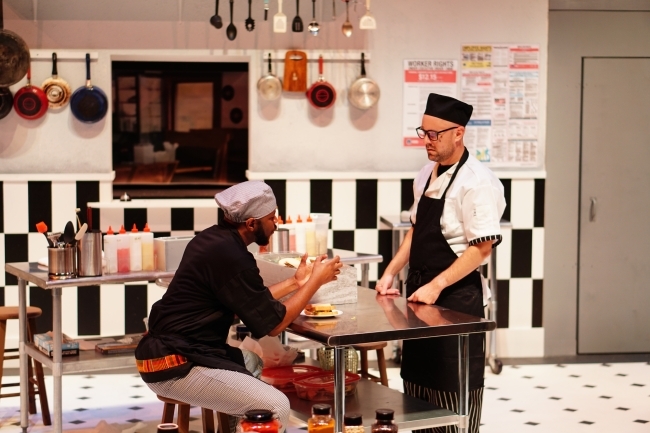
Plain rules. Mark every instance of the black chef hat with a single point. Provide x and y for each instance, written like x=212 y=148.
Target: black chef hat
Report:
x=449 y=109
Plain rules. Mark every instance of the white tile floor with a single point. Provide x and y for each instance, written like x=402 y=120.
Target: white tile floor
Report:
x=595 y=398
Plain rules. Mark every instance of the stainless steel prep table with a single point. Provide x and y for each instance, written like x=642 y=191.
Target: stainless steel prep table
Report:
x=366 y=322
x=86 y=361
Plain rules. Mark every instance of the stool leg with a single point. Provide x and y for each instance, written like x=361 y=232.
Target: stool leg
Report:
x=42 y=395
x=168 y=413
x=381 y=363
x=364 y=363
x=3 y=334
x=207 y=415
x=183 y=419
x=30 y=387
x=224 y=422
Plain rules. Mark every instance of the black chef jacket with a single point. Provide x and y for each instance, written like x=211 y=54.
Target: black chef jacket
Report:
x=216 y=279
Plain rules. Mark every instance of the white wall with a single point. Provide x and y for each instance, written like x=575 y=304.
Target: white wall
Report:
x=287 y=136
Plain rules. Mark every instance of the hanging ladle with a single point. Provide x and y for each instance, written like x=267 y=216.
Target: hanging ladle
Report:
x=296 y=25
x=347 y=25
x=313 y=25
x=250 y=22
x=215 y=19
x=231 y=30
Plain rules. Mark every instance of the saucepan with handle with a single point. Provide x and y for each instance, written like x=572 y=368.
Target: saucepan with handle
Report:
x=321 y=94
x=364 y=92
x=30 y=101
x=89 y=103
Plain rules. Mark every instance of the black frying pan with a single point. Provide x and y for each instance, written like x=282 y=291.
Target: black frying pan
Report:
x=14 y=56
x=6 y=101
x=89 y=103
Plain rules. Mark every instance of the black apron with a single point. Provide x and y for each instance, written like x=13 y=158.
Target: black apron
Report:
x=433 y=362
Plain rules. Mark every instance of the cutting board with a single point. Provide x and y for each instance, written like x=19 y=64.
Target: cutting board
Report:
x=295 y=72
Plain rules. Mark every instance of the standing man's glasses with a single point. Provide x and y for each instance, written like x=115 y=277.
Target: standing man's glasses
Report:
x=433 y=135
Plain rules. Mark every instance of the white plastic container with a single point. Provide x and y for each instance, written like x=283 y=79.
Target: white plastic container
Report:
x=147 y=249
x=310 y=237
x=136 y=249
x=123 y=246
x=110 y=251
x=322 y=222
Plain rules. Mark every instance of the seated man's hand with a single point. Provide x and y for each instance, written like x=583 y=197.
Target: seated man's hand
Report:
x=304 y=271
x=325 y=270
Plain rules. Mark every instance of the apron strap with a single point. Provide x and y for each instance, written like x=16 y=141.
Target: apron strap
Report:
x=462 y=161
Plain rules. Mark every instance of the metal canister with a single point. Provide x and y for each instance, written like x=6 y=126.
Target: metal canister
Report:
x=89 y=254
x=62 y=262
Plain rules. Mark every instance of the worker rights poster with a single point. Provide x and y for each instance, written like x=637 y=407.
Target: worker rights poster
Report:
x=502 y=83
x=422 y=77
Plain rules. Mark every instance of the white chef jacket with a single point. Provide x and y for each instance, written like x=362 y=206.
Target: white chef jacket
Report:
x=473 y=207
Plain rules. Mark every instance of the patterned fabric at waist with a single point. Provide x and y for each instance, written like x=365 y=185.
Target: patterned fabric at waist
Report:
x=160 y=364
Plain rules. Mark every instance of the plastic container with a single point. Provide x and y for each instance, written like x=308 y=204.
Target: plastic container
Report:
x=384 y=422
x=321 y=420
x=261 y=421
x=123 y=246
x=320 y=386
x=325 y=356
x=283 y=377
x=288 y=225
x=136 y=249
x=301 y=240
x=110 y=251
x=147 y=249
x=322 y=224
x=310 y=237
x=353 y=423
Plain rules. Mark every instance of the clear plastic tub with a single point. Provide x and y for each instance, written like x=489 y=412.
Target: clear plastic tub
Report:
x=283 y=377
x=320 y=386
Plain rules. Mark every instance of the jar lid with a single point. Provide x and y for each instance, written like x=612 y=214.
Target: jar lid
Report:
x=259 y=415
x=352 y=419
x=321 y=409
x=385 y=414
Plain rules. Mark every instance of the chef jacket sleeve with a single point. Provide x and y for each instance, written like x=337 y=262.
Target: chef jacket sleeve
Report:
x=246 y=295
x=481 y=215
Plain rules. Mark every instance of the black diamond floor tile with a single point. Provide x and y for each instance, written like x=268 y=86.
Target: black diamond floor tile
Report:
x=606 y=396
x=83 y=398
x=568 y=409
x=90 y=376
x=81 y=409
x=137 y=386
x=78 y=421
x=527 y=377
x=514 y=366
x=641 y=421
x=136 y=408
x=574 y=375
x=136 y=396
x=532 y=423
x=504 y=399
x=586 y=422
x=555 y=398
x=604 y=364
x=491 y=388
x=517 y=410
x=133 y=420
x=16 y=423
x=638 y=384
x=540 y=387
x=560 y=365
x=590 y=386
x=86 y=387
x=621 y=374
x=136 y=375
x=622 y=408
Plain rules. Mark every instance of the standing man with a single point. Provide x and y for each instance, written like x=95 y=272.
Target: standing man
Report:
x=184 y=356
x=455 y=224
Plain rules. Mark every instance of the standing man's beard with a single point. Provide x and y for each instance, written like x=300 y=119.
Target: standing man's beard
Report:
x=260 y=236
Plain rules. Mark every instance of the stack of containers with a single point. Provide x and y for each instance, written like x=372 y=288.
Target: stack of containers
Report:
x=128 y=252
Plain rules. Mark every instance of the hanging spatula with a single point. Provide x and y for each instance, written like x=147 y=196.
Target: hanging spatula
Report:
x=280 y=20
x=367 y=21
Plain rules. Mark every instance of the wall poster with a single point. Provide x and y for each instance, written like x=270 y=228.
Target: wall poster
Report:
x=422 y=77
x=502 y=83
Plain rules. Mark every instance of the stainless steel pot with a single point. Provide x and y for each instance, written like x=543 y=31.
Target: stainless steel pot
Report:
x=61 y=263
x=364 y=92
x=269 y=85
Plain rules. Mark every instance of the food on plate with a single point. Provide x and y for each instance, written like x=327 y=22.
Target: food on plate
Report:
x=319 y=309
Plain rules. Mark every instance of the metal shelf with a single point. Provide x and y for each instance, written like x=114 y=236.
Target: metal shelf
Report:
x=87 y=360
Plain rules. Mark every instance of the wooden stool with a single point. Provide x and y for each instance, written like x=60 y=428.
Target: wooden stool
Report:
x=9 y=313
x=363 y=349
x=183 y=419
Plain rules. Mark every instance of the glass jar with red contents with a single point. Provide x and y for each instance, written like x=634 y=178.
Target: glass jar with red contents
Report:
x=260 y=421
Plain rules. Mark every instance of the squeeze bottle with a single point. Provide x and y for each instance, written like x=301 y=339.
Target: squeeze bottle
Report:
x=123 y=243
x=147 y=249
x=136 y=249
x=301 y=241
x=110 y=251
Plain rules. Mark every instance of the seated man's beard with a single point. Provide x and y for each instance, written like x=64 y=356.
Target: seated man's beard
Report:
x=260 y=236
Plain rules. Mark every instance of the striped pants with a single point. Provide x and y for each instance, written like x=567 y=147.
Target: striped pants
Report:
x=448 y=400
x=224 y=391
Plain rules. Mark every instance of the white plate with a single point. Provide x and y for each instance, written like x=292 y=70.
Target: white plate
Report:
x=334 y=313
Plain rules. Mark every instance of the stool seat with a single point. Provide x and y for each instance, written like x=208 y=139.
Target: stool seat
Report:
x=169 y=400
x=363 y=349
x=183 y=418
x=11 y=313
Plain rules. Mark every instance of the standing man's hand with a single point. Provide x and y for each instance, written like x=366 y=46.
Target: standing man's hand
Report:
x=427 y=294
x=385 y=285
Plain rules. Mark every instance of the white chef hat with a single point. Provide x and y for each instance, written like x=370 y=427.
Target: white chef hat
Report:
x=251 y=199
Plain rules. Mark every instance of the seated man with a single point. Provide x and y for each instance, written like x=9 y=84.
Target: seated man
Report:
x=184 y=356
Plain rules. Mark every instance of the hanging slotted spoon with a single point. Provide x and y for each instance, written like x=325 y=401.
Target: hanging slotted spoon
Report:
x=296 y=25
x=347 y=25
x=250 y=22
x=313 y=26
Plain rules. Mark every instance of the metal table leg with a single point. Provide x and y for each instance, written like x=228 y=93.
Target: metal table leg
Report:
x=365 y=271
x=339 y=388
x=22 y=341
x=463 y=382
x=56 y=366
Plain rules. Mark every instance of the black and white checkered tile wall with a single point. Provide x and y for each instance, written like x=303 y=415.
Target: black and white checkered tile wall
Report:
x=355 y=206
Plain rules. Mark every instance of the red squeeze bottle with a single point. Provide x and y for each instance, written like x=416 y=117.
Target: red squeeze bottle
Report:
x=123 y=241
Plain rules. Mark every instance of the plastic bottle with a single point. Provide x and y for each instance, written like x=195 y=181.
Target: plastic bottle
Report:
x=353 y=423
x=321 y=419
x=110 y=251
x=123 y=246
x=136 y=249
x=384 y=422
x=310 y=237
x=301 y=240
x=147 y=249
